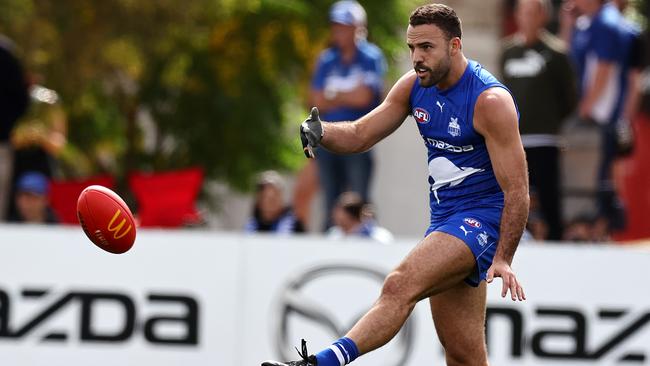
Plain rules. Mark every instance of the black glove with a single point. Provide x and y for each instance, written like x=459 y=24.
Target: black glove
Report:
x=311 y=132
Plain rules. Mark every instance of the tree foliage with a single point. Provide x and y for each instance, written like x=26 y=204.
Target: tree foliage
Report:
x=167 y=84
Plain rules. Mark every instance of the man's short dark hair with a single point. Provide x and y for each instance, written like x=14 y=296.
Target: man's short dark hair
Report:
x=440 y=15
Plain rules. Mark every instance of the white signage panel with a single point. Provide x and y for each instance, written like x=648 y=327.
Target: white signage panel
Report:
x=208 y=298
x=168 y=301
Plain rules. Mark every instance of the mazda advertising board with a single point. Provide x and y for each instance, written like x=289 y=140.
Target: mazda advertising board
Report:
x=207 y=298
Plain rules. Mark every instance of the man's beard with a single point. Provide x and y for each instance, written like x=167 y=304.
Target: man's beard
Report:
x=436 y=74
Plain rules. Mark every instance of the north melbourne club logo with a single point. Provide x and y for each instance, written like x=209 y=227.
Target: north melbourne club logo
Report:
x=482 y=238
x=454 y=127
x=421 y=115
x=472 y=222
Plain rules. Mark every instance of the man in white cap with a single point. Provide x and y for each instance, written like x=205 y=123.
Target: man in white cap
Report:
x=347 y=83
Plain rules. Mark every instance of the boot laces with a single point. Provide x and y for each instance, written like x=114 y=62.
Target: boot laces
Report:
x=304 y=354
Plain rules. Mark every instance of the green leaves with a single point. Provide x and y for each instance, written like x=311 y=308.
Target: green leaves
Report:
x=221 y=80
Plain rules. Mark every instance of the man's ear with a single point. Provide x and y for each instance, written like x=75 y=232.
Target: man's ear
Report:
x=455 y=46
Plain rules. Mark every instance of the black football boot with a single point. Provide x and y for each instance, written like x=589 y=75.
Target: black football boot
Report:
x=307 y=360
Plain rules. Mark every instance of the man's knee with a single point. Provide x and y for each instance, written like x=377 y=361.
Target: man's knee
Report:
x=397 y=287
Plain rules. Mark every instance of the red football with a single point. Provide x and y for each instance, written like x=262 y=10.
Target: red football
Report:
x=106 y=219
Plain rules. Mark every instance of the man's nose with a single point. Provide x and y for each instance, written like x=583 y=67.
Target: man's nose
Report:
x=417 y=56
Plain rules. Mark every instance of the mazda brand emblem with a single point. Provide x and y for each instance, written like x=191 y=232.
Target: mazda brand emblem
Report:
x=295 y=302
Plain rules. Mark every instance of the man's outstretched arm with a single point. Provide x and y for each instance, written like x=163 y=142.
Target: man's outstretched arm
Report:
x=360 y=135
x=495 y=118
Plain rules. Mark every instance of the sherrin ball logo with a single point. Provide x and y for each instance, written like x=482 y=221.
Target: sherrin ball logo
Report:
x=472 y=222
x=421 y=115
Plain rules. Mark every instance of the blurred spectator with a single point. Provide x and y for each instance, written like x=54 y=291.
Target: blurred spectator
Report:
x=630 y=96
x=537 y=70
x=39 y=138
x=270 y=213
x=14 y=100
x=601 y=51
x=347 y=83
x=632 y=172
x=579 y=229
x=617 y=135
x=31 y=199
x=601 y=230
x=537 y=226
x=351 y=220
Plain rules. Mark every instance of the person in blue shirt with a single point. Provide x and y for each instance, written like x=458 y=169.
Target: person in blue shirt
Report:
x=478 y=193
x=602 y=47
x=347 y=83
x=595 y=51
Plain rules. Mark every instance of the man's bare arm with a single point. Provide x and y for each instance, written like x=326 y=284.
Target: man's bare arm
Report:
x=362 y=134
x=495 y=118
x=597 y=88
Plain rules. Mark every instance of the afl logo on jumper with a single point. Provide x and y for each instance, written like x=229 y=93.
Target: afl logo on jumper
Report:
x=421 y=115
x=472 y=222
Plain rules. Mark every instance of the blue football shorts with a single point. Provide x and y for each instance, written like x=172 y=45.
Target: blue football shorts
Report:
x=478 y=228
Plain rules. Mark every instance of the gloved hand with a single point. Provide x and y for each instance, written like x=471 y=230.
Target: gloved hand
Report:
x=311 y=132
